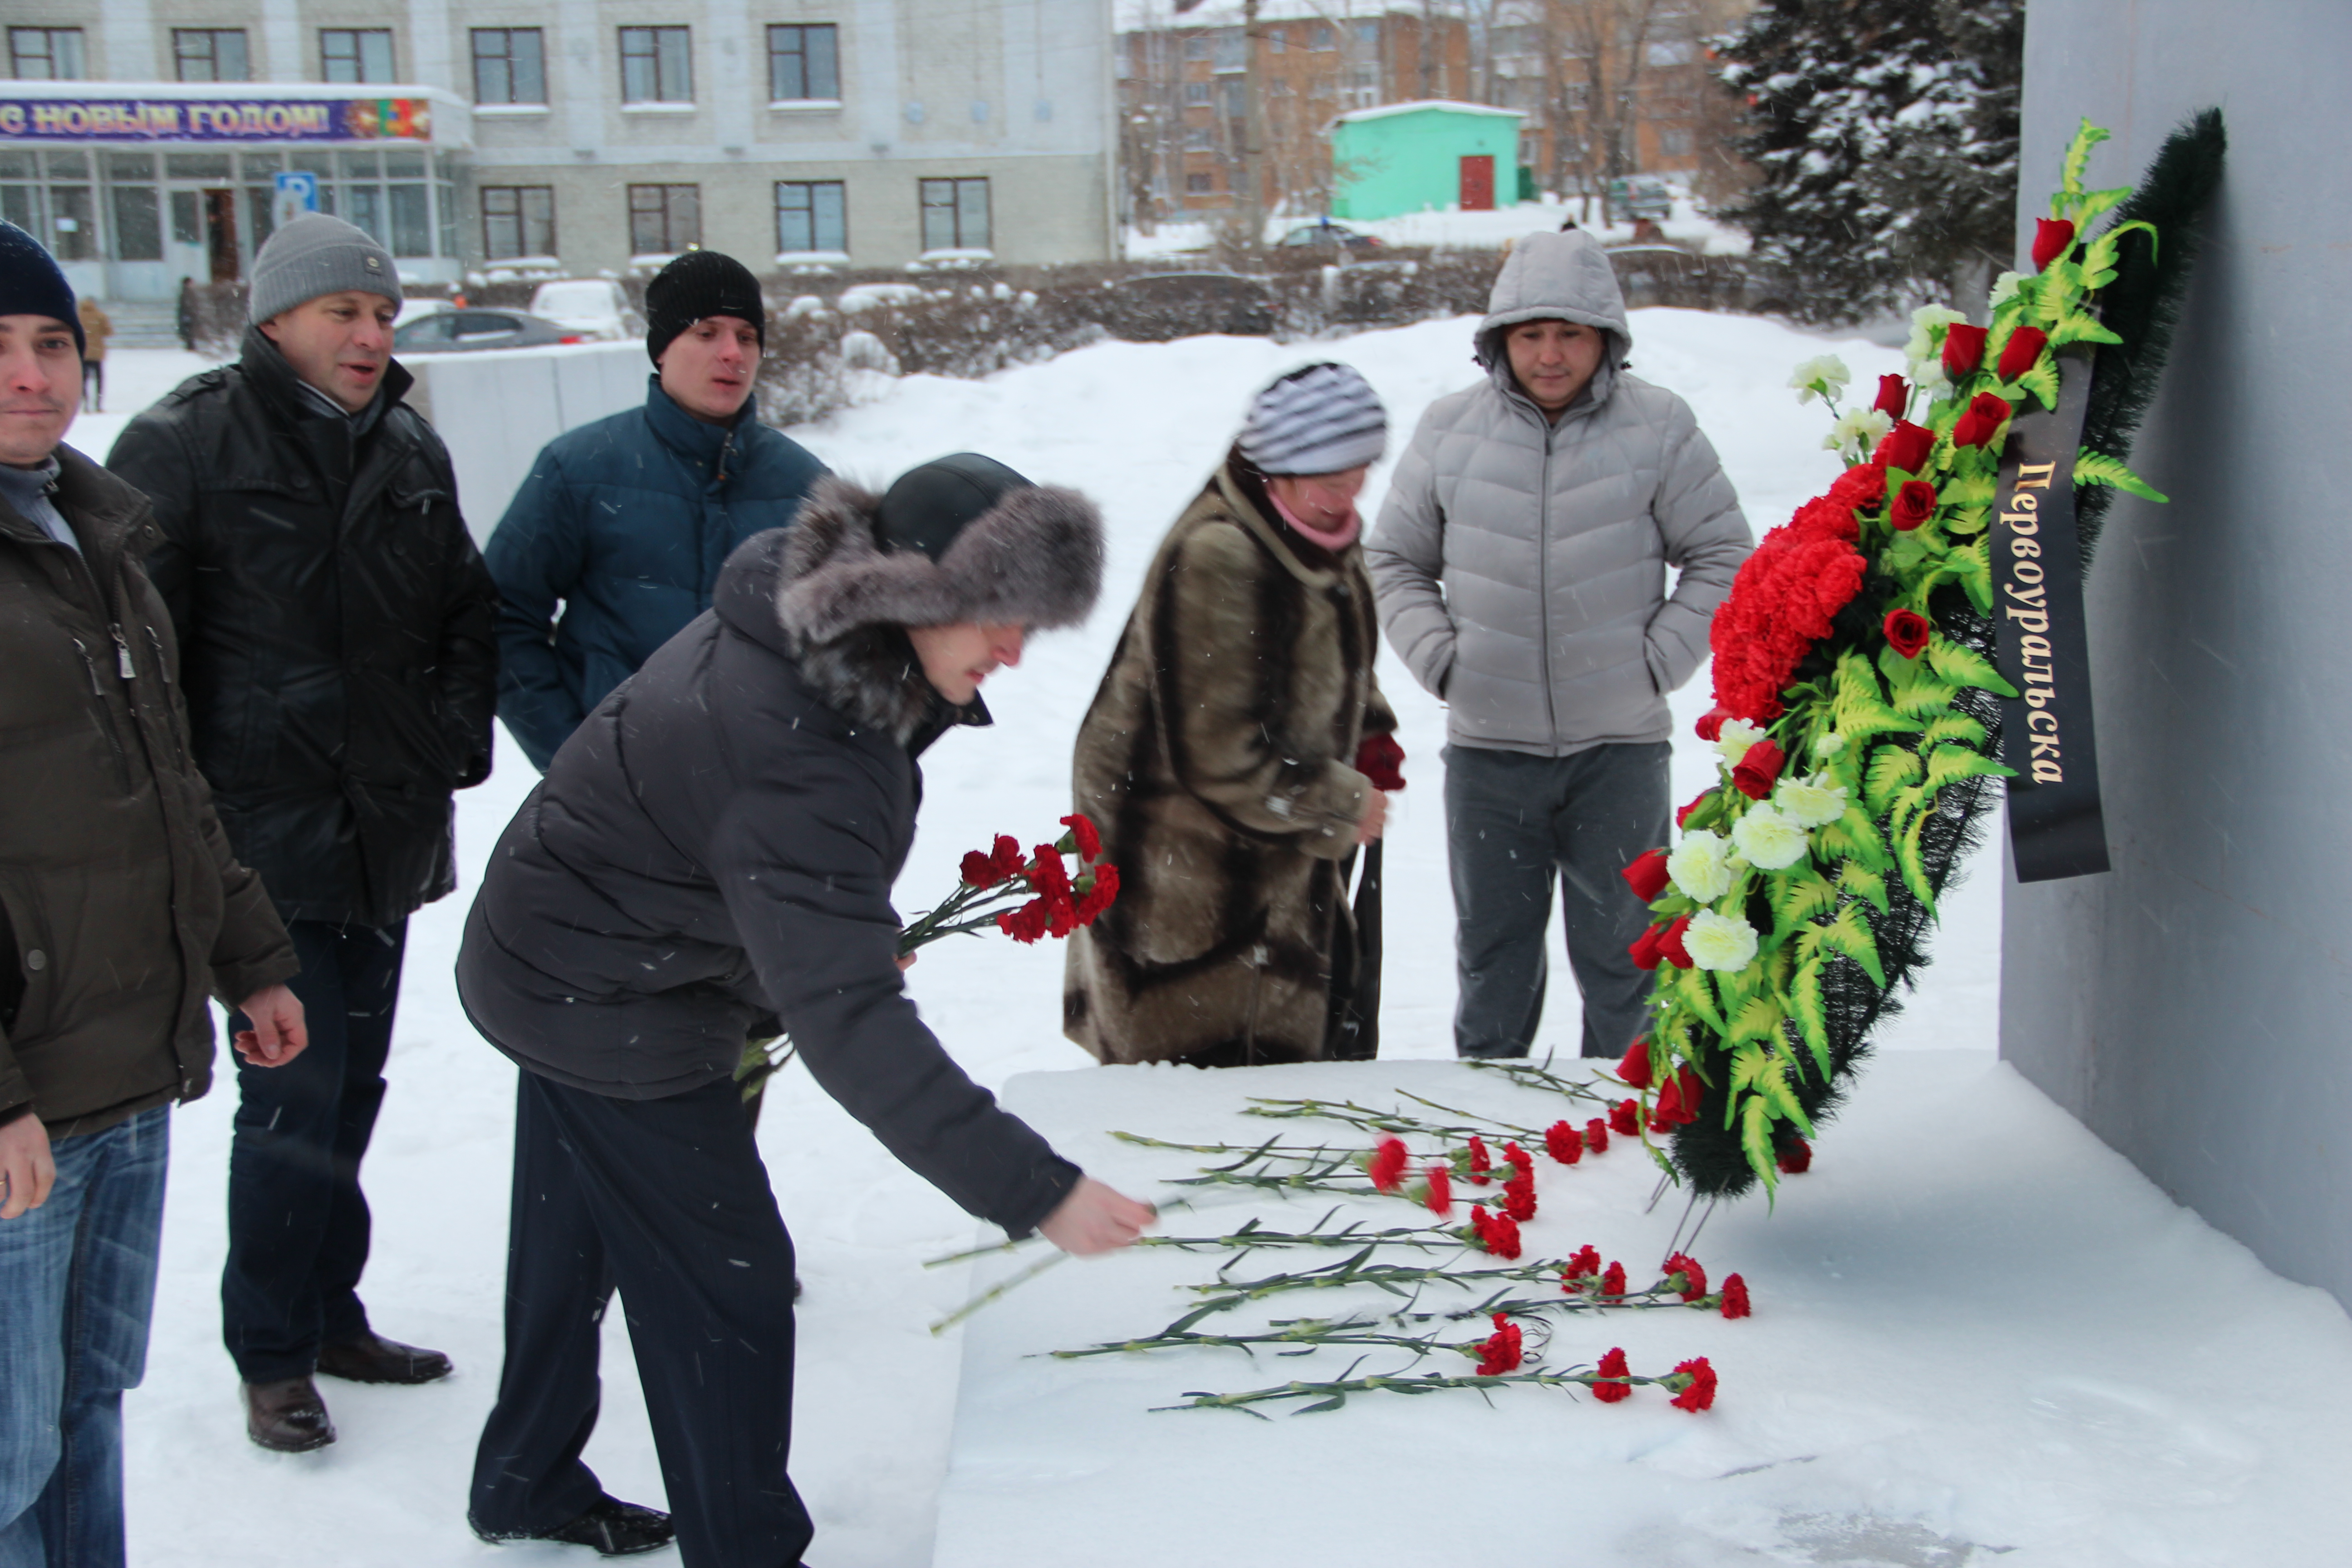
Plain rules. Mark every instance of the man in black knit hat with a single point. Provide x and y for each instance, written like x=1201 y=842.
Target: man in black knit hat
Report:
x=625 y=522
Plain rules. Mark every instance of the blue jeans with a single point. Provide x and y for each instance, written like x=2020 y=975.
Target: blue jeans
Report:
x=78 y=1280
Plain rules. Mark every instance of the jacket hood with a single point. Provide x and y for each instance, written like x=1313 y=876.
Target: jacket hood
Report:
x=1556 y=277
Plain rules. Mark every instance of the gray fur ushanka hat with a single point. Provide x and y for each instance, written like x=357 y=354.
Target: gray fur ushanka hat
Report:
x=962 y=539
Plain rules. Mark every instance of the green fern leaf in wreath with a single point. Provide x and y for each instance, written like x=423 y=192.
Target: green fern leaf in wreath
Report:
x=1855 y=836
x=1891 y=768
x=1911 y=861
x=2080 y=327
x=1966 y=667
x=1756 y=1140
x=2098 y=468
x=1798 y=897
x=1855 y=879
x=1809 y=1009
x=1950 y=764
x=1955 y=728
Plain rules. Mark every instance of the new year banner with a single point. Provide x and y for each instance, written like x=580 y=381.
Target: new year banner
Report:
x=2055 y=827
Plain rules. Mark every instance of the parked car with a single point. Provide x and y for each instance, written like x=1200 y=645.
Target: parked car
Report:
x=447 y=331
x=1643 y=195
x=413 y=308
x=595 y=308
x=1325 y=235
x=1159 y=306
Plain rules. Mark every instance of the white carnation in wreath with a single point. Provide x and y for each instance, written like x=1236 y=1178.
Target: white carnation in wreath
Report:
x=1734 y=739
x=1720 y=941
x=1823 y=376
x=1700 y=865
x=1810 y=800
x=1771 y=840
x=1858 y=432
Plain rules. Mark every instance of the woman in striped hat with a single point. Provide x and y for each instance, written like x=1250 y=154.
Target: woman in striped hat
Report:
x=1236 y=757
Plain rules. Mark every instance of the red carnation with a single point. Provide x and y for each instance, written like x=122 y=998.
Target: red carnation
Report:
x=979 y=871
x=1735 y=1296
x=1914 y=503
x=1381 y=759
x=1981 y=420
x=1501 y=1353
x=1964 y=348
x=1670 y=942
x=1647 y=950
x=1025 y=924
x=1583 y=1263
x=2023 y=349
x=1710 y=723
x=1439 y=1195
x=1757 y=770
x=1693 y=1277
x=1386 y=1166
x=1563 y=1143
x=2052 y=236
x=1498 y=1233
x=1908 y=447
x=1636 y=1068
x=1796 y=1156
x=1047 y=875
x=1612 y=1280
x=1520 y=1160
x=1596 y=1136
x=1100 y=896
x=1697 y=801
x=1908 y=632
x=1061 y=915
x=1083 y=834
x=1479 y=1163
x=1860 y=487
x=1519 y=1198
x=1679 y=1101
x=1646 y=875
x=1613 y=1366
x=1894 y=397
x=1005 y=855
x=1624 y=1117
x=1783 y=600
x=1698 y=1393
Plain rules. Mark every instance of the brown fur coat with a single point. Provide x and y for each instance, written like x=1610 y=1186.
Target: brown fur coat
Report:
x=1217 y=759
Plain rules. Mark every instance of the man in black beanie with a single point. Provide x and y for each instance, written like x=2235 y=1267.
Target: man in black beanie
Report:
x=625 y=522
x=712 y=860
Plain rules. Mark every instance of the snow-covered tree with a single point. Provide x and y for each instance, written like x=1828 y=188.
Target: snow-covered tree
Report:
x=1886 y=134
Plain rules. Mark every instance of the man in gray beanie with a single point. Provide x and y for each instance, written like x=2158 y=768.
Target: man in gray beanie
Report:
x=342 y=671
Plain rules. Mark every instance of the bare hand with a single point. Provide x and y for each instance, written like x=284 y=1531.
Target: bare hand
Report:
x=1095 y=1219
x=1375 y=818
x=906 y=962
x=278 y=1034
x=27 y=1169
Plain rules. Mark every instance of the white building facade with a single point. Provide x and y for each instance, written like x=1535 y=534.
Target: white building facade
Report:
x=145 y=144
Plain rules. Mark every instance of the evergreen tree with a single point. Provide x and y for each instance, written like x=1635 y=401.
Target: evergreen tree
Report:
x=1886 y=134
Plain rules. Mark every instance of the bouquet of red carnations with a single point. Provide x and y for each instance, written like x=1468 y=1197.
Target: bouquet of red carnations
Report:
x=1025 y=896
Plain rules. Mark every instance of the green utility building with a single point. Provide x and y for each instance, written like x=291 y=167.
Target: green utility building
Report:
x=1424 y=157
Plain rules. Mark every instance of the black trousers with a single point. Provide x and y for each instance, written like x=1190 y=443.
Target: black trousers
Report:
x=298 y=1223
x=669 y=1200
x=1514 y=822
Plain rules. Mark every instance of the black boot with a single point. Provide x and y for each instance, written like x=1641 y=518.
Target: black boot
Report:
x=615 y=1529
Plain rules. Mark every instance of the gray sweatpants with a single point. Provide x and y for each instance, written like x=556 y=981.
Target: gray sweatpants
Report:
x=1513 y=820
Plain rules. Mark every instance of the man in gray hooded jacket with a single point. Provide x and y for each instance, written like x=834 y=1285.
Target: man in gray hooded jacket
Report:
x=1520 y=568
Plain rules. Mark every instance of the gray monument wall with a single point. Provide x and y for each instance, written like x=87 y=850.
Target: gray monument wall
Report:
x=2193 y=1007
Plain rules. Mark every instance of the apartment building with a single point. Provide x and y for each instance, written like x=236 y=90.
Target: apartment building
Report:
x=146 y=145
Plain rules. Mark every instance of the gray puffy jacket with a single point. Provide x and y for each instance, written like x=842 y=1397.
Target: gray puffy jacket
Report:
x=1520 y=566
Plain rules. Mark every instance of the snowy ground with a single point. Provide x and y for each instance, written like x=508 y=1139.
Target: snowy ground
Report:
x=1456 y=230
x=1137 y=427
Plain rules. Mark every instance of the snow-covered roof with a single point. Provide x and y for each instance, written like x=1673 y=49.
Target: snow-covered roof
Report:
x=1144 y=16
x=1386 y=109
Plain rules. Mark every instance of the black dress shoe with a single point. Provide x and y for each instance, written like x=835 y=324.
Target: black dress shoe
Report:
x=614 y=1528
x=287 y=1416
x=371 y=1358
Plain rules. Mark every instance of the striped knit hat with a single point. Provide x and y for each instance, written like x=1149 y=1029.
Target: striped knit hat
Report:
x=1323 y=419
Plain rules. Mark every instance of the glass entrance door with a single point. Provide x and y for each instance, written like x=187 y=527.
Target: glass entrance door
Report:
x=187 y=250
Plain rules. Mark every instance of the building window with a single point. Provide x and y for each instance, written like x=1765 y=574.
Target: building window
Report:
x=355 y=54
x=1200 y=184
x=955 y=214
x=812 y=214
x=657 y=67
x=664 y=219
x=1229 y=57
x=1674 y=142
x=1368 y=34
x=1196 y=93
x=46 y=54
x=1325 y=38
x=132 y=204
x=1197 y=139
x=1196 y=47
x=1276 y=40
x=803 y=62
x=210 y=54
x=509 y=66
x=518 y=220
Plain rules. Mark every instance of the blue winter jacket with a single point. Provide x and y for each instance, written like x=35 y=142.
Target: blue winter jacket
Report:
x=627 y=522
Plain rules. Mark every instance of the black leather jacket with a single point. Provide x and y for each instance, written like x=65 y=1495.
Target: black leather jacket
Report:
x=336 y=624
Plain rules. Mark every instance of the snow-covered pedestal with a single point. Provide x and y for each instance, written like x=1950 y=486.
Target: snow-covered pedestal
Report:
x=1977 y=1331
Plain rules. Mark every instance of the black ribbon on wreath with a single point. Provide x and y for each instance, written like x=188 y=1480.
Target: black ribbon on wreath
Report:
x=2055 y=825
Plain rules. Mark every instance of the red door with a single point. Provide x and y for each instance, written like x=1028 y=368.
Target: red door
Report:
x=1478 y=184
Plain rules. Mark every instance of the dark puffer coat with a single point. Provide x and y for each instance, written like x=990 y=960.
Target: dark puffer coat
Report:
x=625 y=522
x=711 y=855
x=1217 y=760
x=121 y=905
x=338 y=627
